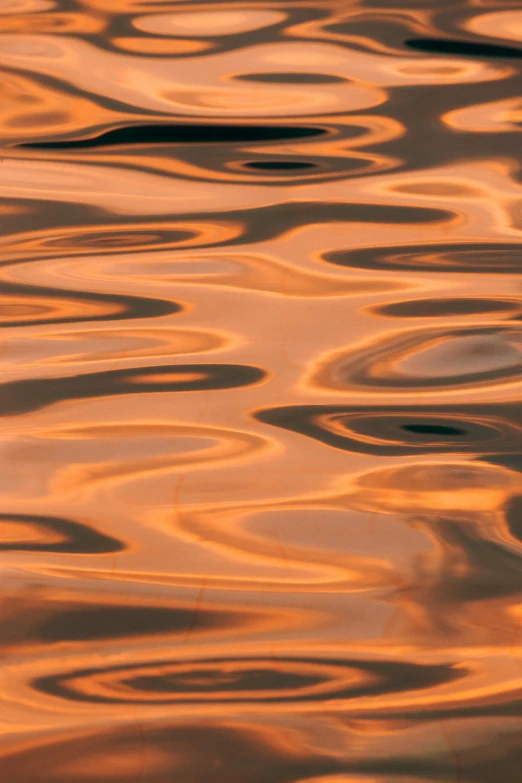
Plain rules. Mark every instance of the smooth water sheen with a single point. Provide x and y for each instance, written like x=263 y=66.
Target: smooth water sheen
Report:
x=261 y=444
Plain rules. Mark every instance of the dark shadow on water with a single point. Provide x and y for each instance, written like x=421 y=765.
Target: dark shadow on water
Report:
x=181 y=134
x=18 y=397
x=278 y=165
x=432 y=429
x=464 y=48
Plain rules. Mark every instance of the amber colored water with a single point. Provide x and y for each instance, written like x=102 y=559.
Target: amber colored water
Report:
x=261 y=442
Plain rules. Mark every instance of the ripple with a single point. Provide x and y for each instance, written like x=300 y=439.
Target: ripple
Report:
x=437 y=488
x=401 y=430
x=28 y=305
x=301 y=564
x=221 y=226
x=428 y=359
x=23 y=6
x=159 y=47
x=462 y=257
x=57 y=23
x=445 y=308
x=17 y=397
x=271 y=222
x=498 y=24
x=464 y=587
x=93 y=454
x=204 y=22
x=50 y=618
x=98 y=346
x=30 y=533
x=117 y=239
x=32 y=109
x=235 y=269
x=284 y=679
x=248 y=533
x=170 y=752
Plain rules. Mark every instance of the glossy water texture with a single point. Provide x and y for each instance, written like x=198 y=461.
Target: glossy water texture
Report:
x=261 y=356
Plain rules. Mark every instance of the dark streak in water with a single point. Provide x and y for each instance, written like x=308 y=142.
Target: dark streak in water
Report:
x=291 y=78
x=43 y=619
x=18 y=397
x=112 y=307
x=471 y=257
x=442 y=308
x=278 y=165
x=73 y=537
x=264 y=223
x=181 y=134
x=465 y=48
x=433 y=429
x=92 y=622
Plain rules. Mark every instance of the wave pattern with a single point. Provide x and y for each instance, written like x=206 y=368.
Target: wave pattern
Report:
x=260 y=391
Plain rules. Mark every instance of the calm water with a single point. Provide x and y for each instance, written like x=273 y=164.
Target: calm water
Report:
x=261 y=486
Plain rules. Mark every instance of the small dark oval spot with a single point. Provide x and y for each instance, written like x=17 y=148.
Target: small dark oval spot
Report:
x=291 y=78
x=465 y=48
x=278 y=165
x=432 y=429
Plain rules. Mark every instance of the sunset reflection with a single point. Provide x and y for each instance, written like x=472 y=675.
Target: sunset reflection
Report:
x=261 y=497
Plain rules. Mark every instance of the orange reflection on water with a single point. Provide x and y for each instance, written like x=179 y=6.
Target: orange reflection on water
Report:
x=261 y=497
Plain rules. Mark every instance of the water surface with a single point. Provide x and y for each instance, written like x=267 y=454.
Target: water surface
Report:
x=261 y=491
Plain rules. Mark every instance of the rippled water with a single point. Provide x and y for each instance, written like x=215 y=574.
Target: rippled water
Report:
x=261 y=493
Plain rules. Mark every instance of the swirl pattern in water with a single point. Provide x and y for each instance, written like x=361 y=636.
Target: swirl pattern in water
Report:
x=261 y=319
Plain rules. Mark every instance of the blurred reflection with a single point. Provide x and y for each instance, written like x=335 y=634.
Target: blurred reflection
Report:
x=261 y=497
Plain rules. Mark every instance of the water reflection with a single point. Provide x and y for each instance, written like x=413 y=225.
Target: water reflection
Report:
x=260 y=507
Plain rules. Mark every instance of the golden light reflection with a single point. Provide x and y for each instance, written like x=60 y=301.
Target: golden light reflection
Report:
x=260 y=370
